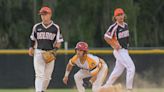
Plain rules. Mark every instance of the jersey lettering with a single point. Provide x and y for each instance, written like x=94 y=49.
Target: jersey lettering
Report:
x=123 y=34
x=45 y=35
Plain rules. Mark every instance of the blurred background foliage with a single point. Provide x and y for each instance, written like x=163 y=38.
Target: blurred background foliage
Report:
x=82 y=20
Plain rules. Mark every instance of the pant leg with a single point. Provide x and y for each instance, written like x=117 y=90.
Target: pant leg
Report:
x=117 y=71
x=130 y=68
x=100 y=78
x=79 y=76
x=47 y=75
x=39 y=66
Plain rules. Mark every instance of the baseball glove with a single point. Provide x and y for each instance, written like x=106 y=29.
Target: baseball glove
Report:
x=114 y=43
x=49 y=56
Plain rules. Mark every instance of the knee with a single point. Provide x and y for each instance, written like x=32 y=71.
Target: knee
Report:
x=47 y=77
x=131 y=70
x=39 y=76
x=76 y=77
x=44 y=77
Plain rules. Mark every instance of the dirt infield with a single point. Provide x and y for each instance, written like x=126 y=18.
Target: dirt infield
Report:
x=73 y=90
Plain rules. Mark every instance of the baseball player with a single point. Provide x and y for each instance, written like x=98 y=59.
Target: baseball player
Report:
x=117 y=36
x=90 y=66
x=45 y=36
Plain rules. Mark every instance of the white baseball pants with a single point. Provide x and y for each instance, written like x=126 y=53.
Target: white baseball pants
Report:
x=81 y=74
x=123 y=60
x=43 y=71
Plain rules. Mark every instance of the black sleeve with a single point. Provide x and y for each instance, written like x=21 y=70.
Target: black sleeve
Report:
x=31 y=43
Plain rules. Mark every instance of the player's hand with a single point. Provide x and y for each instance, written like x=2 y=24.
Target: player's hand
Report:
x=87 y=84
x=65 y=80
x=31 y=51
x=93 y=79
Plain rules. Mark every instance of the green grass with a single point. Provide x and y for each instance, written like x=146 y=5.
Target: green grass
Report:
x=74 y=90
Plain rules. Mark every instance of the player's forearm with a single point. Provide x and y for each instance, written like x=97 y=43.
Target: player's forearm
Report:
x=68 y=70
x=108 y=40
x=95 y=71
x=113 y=43
x=31 y=47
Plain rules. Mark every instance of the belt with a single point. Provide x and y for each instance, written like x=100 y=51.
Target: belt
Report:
x=46 y=49
x=50 y=49
x=84 y=68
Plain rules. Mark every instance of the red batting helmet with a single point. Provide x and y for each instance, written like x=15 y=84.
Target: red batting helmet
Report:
x=82 y=46
x=118 y=11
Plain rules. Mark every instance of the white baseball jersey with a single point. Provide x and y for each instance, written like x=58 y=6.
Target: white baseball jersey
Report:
x=90 y=63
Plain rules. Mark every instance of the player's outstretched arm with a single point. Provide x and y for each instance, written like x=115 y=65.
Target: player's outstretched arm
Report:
x=67 y=72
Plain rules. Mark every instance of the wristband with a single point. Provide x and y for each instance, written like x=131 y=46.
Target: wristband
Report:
x=67 y=73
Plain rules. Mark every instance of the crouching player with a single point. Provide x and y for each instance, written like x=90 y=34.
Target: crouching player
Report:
x=90 y=66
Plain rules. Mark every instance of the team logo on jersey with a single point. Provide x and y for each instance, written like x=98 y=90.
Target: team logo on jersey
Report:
x=39 y=29
x=120 y=30
x=123 y=34
x=92 y=64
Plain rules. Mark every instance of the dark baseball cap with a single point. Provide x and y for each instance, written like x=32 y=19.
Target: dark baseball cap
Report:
x=45 y=10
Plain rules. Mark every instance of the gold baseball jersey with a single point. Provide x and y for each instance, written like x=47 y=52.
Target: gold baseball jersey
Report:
x=90 y=63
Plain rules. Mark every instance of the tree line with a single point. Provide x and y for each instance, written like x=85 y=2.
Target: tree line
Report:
x=82 y=20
